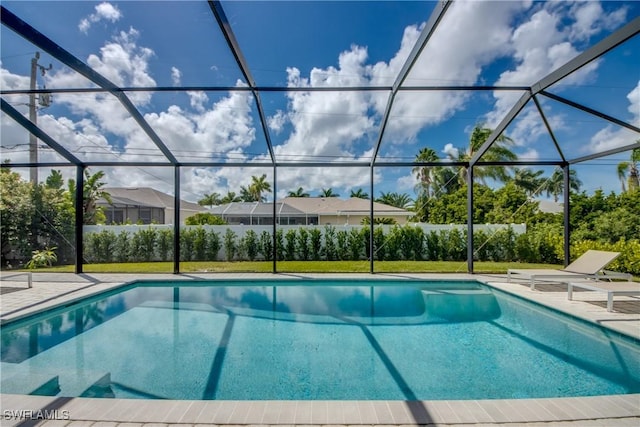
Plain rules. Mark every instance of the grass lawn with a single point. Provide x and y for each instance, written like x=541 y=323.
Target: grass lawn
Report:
x=300 y=267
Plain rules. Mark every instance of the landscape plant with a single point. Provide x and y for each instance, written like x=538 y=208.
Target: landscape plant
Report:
x=250 y=244
x=213 y=245
x=230 y=246
x=315 y=243
x=266 y=245
x=290 y=244
x=165 y=244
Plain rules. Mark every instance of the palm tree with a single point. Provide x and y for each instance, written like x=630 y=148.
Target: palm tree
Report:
x=230 y=198
x=298 y=193
x=210 y=200
x=555 y=184
x=529 y=180
x=359 y=193
x=398 y=200
x=426 y=175
x=246 y=195
x=91 y=192
x=258 y=186
x=629 y=172
x=328 y=192
x=498 y=152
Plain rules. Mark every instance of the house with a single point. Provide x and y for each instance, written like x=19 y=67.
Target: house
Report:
x=308 y=211
x=144 y=205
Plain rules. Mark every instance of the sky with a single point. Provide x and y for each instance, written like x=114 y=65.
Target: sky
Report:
x=320 y=44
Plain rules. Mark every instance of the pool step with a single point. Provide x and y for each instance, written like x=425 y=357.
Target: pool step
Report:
x=34 y=384
x=459 y=305
x=87 y=384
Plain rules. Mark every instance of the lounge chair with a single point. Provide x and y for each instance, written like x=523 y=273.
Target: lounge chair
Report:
x=589 y=265
x=610 y=288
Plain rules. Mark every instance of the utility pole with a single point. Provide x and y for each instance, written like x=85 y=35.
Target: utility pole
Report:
x=33 y=116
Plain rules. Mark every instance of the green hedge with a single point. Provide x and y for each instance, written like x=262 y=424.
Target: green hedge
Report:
x=541 y=244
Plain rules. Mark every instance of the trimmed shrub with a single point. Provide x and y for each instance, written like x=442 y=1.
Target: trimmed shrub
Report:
x=165 y=244
x=187 y=238
x=290 y=244
x=302 y=244
x=230 y=246
x=266 y=245
x=123 y=247
x=147 y=241
x=379 y=246
x=354 y=241
x=250 y=244
x=199 y=244
x=315 y=244
x=330 y=250
x=213 y=245
x=342 y=249
x=280 y=252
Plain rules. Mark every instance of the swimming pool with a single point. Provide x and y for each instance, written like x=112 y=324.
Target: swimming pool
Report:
x=337 y=340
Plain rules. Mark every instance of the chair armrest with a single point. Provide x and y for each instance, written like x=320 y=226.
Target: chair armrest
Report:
x=607 y=274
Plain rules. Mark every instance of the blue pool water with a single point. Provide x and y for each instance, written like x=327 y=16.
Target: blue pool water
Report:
x=326 y=340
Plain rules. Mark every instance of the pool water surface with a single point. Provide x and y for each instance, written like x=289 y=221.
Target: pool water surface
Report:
x=314 y=339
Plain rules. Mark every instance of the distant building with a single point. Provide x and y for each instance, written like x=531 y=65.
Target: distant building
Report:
x=144 y=205
x=549 y=206
x=308 y=211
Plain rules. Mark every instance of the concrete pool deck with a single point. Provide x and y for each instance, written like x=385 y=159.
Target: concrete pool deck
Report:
x=54 y=289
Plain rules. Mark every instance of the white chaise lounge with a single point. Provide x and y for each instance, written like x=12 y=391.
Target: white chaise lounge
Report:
x=610 y=288
x=589 y=265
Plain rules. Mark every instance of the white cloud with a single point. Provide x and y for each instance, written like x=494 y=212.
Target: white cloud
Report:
x=590 y=19
x=198 y=100
x=611 y=137
x=471 y=35
x=176 y=76
x=277 y=121
x=450 y=151
x=634 y=104
x=542 y=44
x=103 y=11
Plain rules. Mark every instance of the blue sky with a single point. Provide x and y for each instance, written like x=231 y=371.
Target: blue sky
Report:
x=286 y=44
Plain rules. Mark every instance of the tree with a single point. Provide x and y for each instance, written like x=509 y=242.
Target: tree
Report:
x=34 y=217
x=426 y=175
x=555 y=184
x=328 y=192
x=230 y=197
x=210 y=200
x=529 y=180
x=246 y=195
x=258 y=186
x=399 y=200
x=359 y=193
x=55 y=181
x=498 y=152
x=298 y=193
x=629 y=172
x=92 y=191
x=205 y=218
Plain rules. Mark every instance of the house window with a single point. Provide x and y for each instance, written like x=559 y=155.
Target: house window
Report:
x=145 y=215
x=118 y=216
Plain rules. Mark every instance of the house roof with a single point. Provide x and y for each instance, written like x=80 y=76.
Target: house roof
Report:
x=255 y=208
x=337 y=206
x=146 y=197
x=300 y=206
